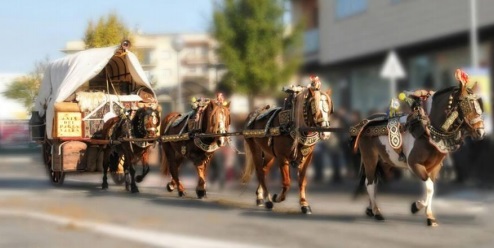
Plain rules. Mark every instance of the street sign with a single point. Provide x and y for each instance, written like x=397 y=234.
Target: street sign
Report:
x=392 y=70
x=392 y=67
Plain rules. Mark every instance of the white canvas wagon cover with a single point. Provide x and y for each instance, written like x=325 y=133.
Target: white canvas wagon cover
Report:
x=64 y=76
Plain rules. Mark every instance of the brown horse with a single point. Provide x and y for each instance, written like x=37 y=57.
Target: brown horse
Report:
x=144 y=124
x=455 y=112
x=276 y=134
x=212 y=116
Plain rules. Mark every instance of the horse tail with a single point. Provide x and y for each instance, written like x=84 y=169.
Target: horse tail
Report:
x=354 y=142
x=249 y=163
x=361 y=185
x=379 y=174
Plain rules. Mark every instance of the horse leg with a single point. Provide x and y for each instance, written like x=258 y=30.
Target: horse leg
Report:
x=132 y=171
x=106 y=165
x=174 y=167
x=201 y=183
x=370 y=161
x=261 y=172
x=285 y=174
x=145 y=165
x=420 y=170
x=302 y=183
x=259 y=196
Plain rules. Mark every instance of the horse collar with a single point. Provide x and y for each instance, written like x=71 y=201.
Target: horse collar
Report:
x=445 y=142
x=205 y=147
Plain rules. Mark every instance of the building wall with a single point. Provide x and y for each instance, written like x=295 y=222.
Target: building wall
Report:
x=386 y=24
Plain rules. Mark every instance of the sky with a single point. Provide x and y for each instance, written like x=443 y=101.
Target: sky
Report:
x=32 y=30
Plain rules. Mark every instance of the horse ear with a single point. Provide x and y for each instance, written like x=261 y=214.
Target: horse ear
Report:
x=329 y=92
x=473 y=86
x=462 y=78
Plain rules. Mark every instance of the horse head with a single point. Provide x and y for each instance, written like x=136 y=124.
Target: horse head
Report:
x=218 y=121
x=318 y=108
x=458 y=108
x=146 y=122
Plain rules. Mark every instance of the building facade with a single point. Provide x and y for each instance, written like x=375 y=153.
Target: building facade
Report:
x=346 y=42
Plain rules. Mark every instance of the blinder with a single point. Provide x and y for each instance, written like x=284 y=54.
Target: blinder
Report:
x=471 y=104
x=325 y=109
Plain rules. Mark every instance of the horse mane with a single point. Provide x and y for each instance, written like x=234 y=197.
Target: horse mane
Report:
x=445 y=90
x=299 y=107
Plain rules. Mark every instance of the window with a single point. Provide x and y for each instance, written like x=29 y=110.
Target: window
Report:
x=346 y=8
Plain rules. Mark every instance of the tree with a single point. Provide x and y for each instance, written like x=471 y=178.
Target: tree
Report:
x=25 y=88
x=254 y=46
x=108 y=31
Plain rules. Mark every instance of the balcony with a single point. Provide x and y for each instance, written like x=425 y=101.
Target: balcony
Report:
x=196 y=60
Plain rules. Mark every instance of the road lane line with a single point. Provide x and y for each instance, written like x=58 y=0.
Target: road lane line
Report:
x=150 y=237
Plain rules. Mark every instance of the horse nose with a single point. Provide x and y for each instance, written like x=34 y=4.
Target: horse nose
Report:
x=221 y=141
x=480 y=133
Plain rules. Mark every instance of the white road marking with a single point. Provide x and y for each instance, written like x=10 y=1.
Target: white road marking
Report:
x=160 y=239
x=16 y=159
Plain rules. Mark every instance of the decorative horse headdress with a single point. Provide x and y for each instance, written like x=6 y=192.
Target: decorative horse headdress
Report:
x=315 y=82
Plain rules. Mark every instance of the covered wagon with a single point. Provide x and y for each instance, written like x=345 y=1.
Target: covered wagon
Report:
x=77 y=95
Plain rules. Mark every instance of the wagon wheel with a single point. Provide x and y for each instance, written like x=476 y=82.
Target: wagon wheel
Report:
x=46 y=151
x=116 y=168
x=56 y=177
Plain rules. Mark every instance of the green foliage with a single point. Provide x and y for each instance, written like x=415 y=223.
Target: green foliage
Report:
x=25 y=88
x=108 y=31
x=254 y=46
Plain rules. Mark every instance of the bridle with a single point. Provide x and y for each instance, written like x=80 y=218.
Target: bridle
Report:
x=321 y=108
x=219 y=118
x=459 y=110
x=148 y=120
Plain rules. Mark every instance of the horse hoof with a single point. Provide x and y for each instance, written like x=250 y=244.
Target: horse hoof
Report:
x=414 y=209
x=201 y=193
x=134 y=190
x=306 y=210
x=139 y=178
x=274 y=198
x=432 y=222
x=379 y=217
x=181 y=193
x=269 y=205
x=104 y=186
x=260 y=202
x=369 y=212
x=169 y=187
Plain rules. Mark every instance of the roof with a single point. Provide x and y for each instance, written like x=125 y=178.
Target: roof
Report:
x=64 y=76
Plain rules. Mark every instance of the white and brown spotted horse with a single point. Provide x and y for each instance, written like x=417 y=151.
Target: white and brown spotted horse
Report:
x=275 y=134
x=455 y=113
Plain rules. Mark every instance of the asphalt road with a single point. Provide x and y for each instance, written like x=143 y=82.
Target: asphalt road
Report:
x=35 y=214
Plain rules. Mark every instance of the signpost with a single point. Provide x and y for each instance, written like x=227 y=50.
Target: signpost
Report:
x=392 y=70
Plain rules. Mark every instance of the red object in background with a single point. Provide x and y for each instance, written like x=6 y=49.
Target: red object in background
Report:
x=14 y=133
